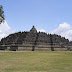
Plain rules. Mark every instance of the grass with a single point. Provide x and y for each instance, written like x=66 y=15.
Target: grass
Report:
x=36 y=61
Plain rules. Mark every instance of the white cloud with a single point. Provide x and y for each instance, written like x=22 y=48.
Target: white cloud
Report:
x=5 y=30
x=64 y=30
x=41 y=30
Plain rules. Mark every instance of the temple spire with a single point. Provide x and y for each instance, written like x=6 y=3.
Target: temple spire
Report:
x=33 y=30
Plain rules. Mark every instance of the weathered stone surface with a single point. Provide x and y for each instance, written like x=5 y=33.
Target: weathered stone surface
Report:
x=13 y=48
x=36 y=41
x=3 y=47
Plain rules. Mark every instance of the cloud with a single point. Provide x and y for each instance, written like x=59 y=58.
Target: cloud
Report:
x=64 y=30
x=5 y=30
x=41 y=30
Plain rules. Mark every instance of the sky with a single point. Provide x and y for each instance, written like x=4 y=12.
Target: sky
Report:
x=50 y=16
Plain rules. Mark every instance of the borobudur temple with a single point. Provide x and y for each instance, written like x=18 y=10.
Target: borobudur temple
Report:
x=35 y=41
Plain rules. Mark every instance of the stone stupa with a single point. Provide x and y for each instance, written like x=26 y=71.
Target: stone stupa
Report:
x=35 y=41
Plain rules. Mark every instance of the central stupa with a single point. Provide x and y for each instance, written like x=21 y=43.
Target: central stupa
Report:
x=33 y=30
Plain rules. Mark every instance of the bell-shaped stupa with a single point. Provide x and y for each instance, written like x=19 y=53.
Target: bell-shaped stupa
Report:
x=33 y=30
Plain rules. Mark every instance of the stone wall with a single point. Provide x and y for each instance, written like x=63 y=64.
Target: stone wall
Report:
x=3 y=47
x=13 y=48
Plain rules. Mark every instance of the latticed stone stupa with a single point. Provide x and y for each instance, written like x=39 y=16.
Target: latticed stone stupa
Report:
x=35 y=41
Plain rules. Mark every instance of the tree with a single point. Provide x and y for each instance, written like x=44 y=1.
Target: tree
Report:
x=1 y=14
